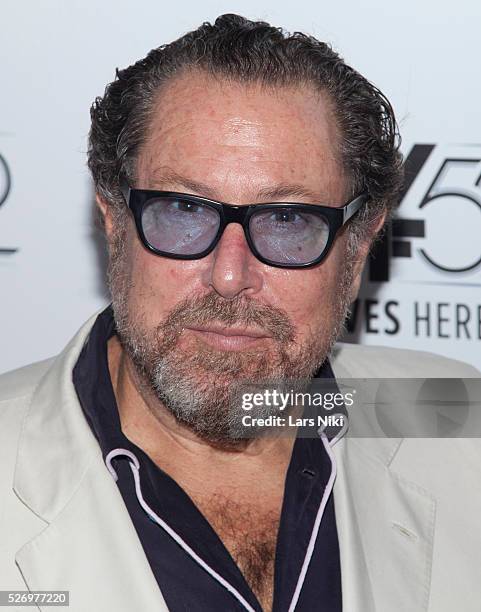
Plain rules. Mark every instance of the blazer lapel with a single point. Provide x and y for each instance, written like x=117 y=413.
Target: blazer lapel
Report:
x=385 y=523
x=86 y=542
x=92 y=550
x=386 y=530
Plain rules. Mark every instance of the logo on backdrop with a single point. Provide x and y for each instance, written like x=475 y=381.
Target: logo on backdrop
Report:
x=423 y=279
x=5 y=180
x=443 y=190
x=5 y=185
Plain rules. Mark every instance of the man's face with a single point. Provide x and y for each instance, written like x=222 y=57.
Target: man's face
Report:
x=192 y=328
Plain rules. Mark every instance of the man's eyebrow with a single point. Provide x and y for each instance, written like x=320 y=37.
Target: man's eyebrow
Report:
x=287 y=190
x=167 y=177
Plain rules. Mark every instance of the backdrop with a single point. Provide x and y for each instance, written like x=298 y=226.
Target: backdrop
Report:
x=422 y=289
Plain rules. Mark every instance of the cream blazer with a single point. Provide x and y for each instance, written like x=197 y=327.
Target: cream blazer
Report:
x=407 y=510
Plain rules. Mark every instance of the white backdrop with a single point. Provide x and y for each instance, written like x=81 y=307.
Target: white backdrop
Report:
x=57 y=56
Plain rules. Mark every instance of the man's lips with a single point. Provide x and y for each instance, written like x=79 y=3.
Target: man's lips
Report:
x=229 y=331
x=228 y=338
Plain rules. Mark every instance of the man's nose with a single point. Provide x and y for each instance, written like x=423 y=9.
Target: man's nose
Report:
x=233 y=269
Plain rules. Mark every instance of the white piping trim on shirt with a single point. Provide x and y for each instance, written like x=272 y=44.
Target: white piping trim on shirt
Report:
x=317 y=522
x=135 y=467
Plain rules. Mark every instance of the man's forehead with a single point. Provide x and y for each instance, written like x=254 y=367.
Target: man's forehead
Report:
x=245 y=112
x=282 y=143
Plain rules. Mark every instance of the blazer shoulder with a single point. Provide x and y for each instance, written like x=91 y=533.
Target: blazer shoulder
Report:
x=16 y=391
x=22 y=381
x=360 y=361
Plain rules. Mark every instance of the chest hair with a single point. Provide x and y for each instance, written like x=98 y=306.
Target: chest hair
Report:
x=249 y=532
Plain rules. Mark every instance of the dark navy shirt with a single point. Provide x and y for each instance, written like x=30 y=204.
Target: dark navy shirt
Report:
x=185 y=585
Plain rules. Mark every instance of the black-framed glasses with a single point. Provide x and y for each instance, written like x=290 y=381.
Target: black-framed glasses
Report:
x=280 y=234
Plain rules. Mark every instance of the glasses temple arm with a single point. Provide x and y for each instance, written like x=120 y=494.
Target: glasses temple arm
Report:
x=352 y=208
x=125 y=191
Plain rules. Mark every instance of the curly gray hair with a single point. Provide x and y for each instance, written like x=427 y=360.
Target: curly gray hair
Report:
x=253 y=51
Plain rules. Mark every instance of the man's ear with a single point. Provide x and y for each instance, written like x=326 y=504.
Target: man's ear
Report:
x=105 y=212
x=359 y=258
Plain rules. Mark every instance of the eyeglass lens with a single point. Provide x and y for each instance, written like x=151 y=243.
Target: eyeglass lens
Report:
x=285 y=235
x=178 y=226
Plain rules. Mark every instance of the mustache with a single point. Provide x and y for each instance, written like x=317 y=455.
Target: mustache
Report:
x=212 y=308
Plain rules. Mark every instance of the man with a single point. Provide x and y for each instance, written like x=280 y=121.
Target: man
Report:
x=125 y=477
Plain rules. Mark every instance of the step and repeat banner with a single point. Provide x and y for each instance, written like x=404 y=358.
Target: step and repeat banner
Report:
x=422 y=284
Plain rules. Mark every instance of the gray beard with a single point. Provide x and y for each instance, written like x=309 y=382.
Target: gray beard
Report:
x=202 y=387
